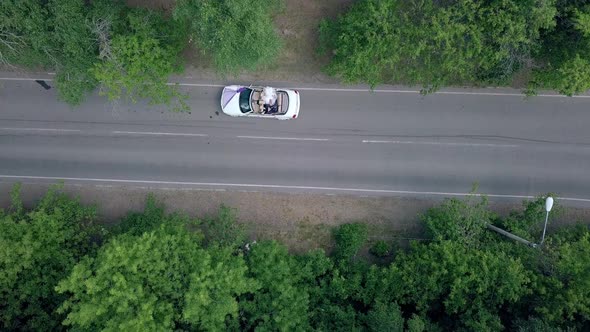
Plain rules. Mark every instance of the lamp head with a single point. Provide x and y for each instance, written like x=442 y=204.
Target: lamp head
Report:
x=548 y=203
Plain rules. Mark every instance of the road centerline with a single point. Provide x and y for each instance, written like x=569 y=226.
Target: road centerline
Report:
x=286 y=138
x=41 y=129
x=151 y=133
x=443 y=143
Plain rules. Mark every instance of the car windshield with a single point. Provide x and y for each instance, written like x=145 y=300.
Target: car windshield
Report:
x=245 y=100
x=283 y=102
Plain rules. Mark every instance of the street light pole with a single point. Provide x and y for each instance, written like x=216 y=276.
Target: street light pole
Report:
x=548 y=207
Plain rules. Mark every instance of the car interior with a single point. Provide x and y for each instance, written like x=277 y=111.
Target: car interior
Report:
x=258 y=106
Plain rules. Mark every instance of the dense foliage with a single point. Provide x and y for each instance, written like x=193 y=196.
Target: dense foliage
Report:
x=237 y=34
x=565 y=55
x=131 y=52
x=160 y=280
x=161 y=271
x=437 y=43
x=434 y=43
x=38 y=248
x=127 y=51
x=52 y=34
x=139 y=53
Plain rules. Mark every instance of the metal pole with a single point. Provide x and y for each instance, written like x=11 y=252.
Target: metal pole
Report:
x=510 y=235
x=545 y=227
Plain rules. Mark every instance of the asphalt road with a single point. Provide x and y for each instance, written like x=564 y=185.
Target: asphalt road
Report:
x=388 y=142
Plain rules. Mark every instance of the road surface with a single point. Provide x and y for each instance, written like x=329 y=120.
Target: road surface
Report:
x=346 y=140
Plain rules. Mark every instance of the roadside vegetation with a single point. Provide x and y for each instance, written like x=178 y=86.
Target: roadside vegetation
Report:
x=62 y=270
x=434 y=43
x=125 y=52
x=463 y=42
x=129 y=52
x=238 y=35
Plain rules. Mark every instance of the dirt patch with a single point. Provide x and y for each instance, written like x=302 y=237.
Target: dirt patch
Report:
x=301 y=221
x=298 y=26
x=521 y=78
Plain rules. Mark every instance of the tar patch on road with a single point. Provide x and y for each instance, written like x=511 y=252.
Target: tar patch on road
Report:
x=43 y=84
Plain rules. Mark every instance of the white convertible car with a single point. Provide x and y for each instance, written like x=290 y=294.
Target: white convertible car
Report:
x=260 y=102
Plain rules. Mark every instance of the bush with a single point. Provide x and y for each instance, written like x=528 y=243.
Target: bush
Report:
x=349 y=239
x=137 y=223
x=380 y=249
x=462 y=221
x=224 y=230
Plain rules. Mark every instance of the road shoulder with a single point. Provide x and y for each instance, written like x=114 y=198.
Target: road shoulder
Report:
x=301 y=221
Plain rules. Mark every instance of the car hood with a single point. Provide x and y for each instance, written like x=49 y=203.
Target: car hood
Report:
x=230 y=100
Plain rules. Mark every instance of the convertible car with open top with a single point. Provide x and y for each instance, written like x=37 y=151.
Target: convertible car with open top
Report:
x=260 y=102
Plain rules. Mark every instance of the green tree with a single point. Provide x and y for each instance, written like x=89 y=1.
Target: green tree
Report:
x=343 y=292
x=468 y=284
x=23 y=36
x=363 y=42
x=511 y=33
x=237 y=34
x=138 y=59
x=420 y=324
x=330 y=292
x=537 y=325
x=282 y=302
x=212 y=296
x=385 y=317
x=564 y=59
x=433 y=43
x=75 y=49
x=130 y=51
x=38 y=249
x=562 y=286
x=160 y=280
x=568 y=76
x=52 y=34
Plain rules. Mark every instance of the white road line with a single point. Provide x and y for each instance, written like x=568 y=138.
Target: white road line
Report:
x=482 y=93
x=286 y=138
x=24 y=79
x=42 y=129
x=197 y=85
x=156 y=133
x=275 y=186
x=445 y=143
x=507 y=94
